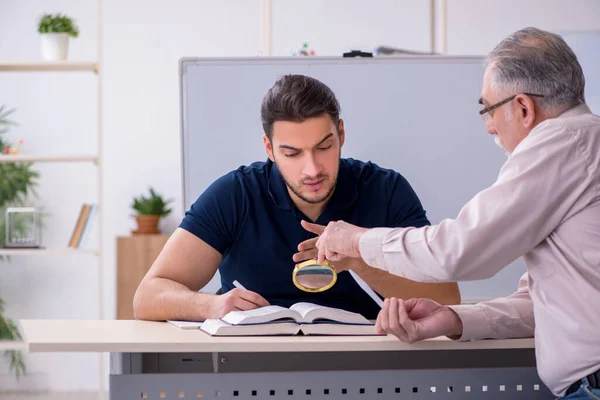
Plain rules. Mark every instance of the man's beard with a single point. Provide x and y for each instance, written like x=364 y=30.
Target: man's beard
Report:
x=507 y=116
x=309 y=200
x=497 y=141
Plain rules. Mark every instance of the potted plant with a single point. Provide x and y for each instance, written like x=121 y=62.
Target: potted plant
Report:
x=9 y=331
x=17 y=181
x=55 y=31
x=149 y=211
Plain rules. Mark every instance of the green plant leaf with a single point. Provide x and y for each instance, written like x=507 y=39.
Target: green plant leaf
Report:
x=9 y=331
x=151 y=205
x=58 y=23
x=17 y=182
x=16 y=362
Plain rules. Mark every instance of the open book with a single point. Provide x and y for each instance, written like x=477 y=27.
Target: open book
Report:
x=305 y=318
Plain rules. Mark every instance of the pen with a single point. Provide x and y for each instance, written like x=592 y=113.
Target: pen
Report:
x=238 y=285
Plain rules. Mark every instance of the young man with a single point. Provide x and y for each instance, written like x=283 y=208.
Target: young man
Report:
x=247 y=224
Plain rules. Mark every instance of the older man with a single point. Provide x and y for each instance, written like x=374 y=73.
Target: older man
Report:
x=544 y=206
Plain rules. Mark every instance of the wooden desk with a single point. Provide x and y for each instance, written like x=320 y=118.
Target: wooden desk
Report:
x=155 y=360
x=160 y=337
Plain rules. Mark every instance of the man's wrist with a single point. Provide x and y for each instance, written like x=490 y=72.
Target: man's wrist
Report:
x=358 y=265
x=202 y=305
x=356 y=243
x=457 y=330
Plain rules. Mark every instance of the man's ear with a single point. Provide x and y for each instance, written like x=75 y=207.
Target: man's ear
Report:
x=341 y=132
x=526 y=110
x=268 y=147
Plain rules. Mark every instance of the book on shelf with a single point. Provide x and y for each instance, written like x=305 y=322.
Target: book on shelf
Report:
x=300 y=318
x=83 y=225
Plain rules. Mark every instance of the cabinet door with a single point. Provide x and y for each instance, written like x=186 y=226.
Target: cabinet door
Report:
x=135 y=256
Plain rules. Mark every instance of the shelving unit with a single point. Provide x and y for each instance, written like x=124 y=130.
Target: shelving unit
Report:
x=78 y=67
x=12 y=345
x=48 y=158
x=48 y=252
x=60 y=66
x=94 y=67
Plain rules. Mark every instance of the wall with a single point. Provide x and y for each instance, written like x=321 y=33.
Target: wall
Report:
x=142 y=42
x=475 y=27
x=333 y=27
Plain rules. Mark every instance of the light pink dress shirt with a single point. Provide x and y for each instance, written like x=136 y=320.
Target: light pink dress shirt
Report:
x=544 y=207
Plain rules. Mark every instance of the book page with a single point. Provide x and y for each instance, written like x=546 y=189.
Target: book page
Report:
x=260 y=315
x=311 y=313
x=218 y=327
x=338 y=329
x=212 y=326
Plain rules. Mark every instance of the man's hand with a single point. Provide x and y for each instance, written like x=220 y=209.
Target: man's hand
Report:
x=234 y=300
x=308 y=249
x=417 y=319
x=337 y=241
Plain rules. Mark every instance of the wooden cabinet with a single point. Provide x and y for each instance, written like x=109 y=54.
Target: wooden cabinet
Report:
x=135 y=255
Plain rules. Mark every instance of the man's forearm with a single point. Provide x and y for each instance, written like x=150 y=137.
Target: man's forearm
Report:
x=159 y=299
x=502 y=318
x=389 y=285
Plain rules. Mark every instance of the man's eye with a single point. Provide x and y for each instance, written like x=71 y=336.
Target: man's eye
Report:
x=325 y=147
x=290 y=155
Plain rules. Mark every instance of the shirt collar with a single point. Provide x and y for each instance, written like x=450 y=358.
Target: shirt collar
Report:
x=344 y=195
x=576 y=111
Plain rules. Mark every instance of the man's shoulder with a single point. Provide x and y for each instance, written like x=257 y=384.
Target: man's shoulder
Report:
x=387 y=193
x=369 y=172
x=378 y=183
x=240 y=183
x=256 y=170
x=255 y=173
x=577 y=127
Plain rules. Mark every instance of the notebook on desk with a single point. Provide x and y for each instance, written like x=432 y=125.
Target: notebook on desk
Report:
x=301 y=318
x=185 y=324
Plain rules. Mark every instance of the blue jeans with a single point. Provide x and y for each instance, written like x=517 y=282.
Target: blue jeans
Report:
x=585 y=392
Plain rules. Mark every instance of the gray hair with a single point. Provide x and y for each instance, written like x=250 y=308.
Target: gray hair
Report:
x=535 y=61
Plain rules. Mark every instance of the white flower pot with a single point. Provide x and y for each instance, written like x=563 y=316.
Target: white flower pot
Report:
x=55 y=46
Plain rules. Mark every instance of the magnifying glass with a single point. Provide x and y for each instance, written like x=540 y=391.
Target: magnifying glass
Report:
x=310 y=276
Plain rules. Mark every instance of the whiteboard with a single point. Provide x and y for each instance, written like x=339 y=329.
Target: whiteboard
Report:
x=417 y=115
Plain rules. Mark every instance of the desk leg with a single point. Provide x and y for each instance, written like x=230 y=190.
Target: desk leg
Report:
x=125 y=363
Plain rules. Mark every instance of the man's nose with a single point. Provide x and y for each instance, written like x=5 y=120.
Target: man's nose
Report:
x=489 y=127
x=312 y=167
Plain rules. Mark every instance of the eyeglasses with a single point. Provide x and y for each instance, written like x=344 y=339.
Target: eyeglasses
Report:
x=485 y=112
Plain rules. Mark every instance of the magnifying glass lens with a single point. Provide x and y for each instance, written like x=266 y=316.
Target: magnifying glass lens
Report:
x=311 y=276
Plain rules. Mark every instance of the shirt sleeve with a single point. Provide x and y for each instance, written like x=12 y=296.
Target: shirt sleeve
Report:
x=216 y=216
x=503 y=318
x=536 y=188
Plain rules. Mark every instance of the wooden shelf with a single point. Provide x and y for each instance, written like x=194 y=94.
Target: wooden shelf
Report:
x=12 y=345
x=57 y=66
x=49 y=252
x=48 y=158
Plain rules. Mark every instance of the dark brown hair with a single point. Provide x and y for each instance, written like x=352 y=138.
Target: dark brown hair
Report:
x=296 y=98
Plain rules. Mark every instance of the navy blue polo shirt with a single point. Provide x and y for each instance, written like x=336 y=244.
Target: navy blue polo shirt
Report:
x=248 y=216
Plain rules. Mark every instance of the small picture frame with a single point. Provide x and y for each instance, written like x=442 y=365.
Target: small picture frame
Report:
x=23 y=227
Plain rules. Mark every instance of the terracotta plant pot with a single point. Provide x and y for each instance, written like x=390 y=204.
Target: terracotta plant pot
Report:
x=147 y=224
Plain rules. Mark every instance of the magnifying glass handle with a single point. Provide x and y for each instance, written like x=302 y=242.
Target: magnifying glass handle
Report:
x=367 y=288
